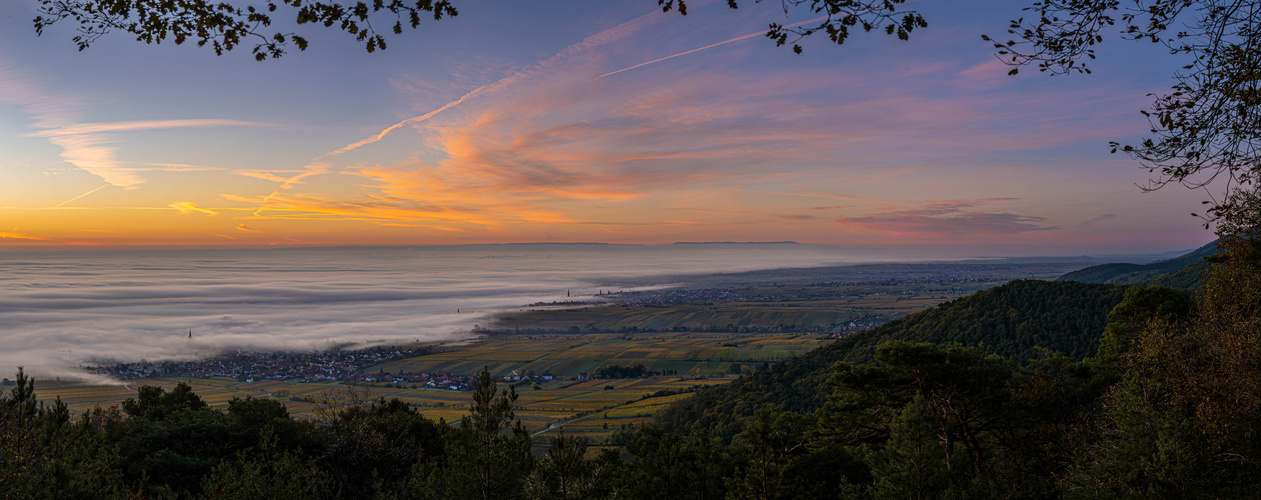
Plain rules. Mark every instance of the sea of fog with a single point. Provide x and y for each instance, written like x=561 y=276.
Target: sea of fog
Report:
x=62 y=310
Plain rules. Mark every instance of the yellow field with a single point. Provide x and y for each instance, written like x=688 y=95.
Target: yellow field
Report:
x=684 y=353
x=545 y=411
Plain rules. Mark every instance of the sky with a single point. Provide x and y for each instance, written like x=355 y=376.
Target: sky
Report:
x=580 y=121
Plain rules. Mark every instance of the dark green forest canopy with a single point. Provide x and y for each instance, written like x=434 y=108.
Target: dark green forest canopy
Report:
x=1012 y=321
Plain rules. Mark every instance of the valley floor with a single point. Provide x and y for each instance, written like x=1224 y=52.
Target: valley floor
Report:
x=706 y=333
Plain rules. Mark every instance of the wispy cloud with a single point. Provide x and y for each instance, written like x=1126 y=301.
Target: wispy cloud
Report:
x=267 y=175
x=84 y=145
x=13 y=235
x=947 y=220
x=1095 y=220
x=796 y=217
x=90 y=153
x=128 y=126
x=186 y=208
x=23 y=90
x=391 y=210
x=178 y=167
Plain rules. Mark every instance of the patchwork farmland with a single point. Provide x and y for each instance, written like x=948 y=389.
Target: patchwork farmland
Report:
x=593 y=408
x=691 y=354
x=724 y=326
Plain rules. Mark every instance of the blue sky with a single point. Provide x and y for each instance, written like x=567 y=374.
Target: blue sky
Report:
x=506 y=131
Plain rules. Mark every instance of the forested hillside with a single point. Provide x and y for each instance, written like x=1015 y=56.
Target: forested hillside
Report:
x=1187 y=278
x=1011 y=320
x=1164 y=401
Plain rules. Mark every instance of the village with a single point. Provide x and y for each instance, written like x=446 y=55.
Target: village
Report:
x=335 y=365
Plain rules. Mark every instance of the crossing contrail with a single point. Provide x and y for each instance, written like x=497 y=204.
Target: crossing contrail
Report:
x=710 y=46
x=82 y=195
x=605 y=37
x=415 y=119
x=595 y=40
x=319 y=165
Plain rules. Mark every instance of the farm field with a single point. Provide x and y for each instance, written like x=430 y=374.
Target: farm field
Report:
x=591 y=408
x=819 y=315
x=685 y=337
x=692 y=354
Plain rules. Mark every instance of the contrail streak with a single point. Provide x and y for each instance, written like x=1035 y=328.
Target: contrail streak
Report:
x=416 y=119
x=710 y=46
x=380 y=135
x=316 y=167
x=602 y=38
x=82 y=195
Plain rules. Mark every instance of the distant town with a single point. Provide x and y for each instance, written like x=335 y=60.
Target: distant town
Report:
x=334 y=365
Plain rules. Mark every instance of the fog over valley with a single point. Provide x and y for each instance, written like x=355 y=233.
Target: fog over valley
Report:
x=59 y=311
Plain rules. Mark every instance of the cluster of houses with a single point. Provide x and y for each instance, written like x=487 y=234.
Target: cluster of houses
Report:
x=844 y=330
x=449 y=381
x=693 y=296
x=336 y=365
x=291 y=366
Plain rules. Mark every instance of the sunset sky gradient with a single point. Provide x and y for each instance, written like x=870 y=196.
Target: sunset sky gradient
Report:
x=582 y=121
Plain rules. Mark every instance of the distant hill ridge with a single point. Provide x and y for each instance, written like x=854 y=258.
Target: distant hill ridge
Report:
x=1185 y=271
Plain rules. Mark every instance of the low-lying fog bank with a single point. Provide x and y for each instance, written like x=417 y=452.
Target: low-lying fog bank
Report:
x=59 y=311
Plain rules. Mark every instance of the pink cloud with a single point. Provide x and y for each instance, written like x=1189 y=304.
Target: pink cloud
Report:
x=1095 y=220
x=988 y=75
x=947 y=219
x=545 y=144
